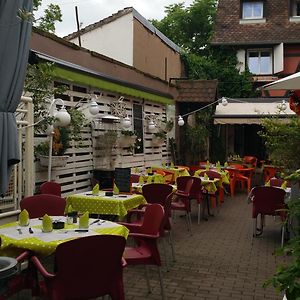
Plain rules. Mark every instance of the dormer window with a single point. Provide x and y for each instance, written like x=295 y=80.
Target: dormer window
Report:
x=252 y=10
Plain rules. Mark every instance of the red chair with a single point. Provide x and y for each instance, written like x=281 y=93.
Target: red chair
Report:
x=87 y=267
x=182 y=196
x=50 y=187
x=243 y=176
x=158 y=193
x=41 y=204
x=267 y=201
x=146 y=235
x=197 y=194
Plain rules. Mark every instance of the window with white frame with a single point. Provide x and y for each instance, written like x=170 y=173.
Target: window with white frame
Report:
x=260 y=61
x=295 y=8
x=252 y=9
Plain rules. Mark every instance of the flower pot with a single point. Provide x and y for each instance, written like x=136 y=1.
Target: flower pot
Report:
x=127 y=141
x=157 y=141
x=57 y=161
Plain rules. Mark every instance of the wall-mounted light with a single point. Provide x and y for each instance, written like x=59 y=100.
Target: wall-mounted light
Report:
x=62 y=117
x=283 y=105
x=93 y=107
x=126 y=123
x=180 y=121
x=151 y=125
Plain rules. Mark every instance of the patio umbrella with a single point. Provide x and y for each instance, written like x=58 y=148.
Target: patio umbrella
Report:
x=291 y=82
x=14 y=49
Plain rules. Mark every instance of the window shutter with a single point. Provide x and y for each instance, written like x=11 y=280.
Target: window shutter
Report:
x=278 y=58
x=241 y=57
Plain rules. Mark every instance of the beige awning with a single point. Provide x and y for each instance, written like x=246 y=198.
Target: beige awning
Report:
x=250 y=113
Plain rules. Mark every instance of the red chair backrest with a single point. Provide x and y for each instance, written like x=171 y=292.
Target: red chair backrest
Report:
x=88 y=267
x=50 y=187
x=278 y=182
x=41 y=204
x=184 y=183
x=211 y=174
x=153 y=219
x=196 y=190
x=267 y=200
x=134 y=178
x=250 y=160
x=156 y=192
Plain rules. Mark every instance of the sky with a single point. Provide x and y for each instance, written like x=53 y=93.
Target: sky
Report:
x=91 y=11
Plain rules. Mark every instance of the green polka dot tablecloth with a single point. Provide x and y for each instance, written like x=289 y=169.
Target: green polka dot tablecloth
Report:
x=104 y=205
x=16 y=239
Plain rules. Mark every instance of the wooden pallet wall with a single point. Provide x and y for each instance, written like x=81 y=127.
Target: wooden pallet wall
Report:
x=94 y=151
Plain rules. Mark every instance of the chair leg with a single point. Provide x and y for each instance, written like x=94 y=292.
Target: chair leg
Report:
x=161 y=284
x=147 y=279
x=282 y=234
x=254 y=227
x=172 y=245
x=199 y=212
x=165 y=253
x=189 y=221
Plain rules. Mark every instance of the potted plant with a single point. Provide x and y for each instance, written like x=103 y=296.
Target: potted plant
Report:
x=61 y=142
x=159 y=137
x=127 y=138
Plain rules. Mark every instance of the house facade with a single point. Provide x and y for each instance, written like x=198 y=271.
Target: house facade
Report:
x=266 y=38
x=129 y=38
x=265 y=34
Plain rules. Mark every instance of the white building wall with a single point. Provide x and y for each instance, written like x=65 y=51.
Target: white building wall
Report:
x=114 y=39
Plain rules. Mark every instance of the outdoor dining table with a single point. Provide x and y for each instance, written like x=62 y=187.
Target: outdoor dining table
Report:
x=177 y=171
x=16 y=239
x=100 y=204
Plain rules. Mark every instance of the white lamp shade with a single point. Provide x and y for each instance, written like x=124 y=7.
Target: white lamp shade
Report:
x=151 y=125
x=126 y=123
x=224 y=101
x=180 y=121
x=93 y=108
x=63 y=118
x=283 y=105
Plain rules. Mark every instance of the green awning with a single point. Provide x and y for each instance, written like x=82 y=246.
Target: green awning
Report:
x=102 y=84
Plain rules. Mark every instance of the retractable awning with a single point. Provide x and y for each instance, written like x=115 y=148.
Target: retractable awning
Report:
x=250 y=112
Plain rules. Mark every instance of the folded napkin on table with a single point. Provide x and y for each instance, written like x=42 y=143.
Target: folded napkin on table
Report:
x=24 y=218
x=158 y=178
x=84 y=220
x=141 y=179
x=70 y=209
x=172 y=165
x=47 y=224
x=116 y=190
x=268 y=183
x=163 y=164
x=96 y=189
x=225 y=164
x=205 y=176
x=284 y=185
x=149 y=179
x=207 y=165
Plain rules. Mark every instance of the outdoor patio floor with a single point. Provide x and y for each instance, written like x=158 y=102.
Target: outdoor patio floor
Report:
x=218 y=261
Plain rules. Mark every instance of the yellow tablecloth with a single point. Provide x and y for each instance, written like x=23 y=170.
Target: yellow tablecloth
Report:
x=44 y=244
x=155 y=178
x=176 y=171
x=225 y=176
x=113 y=205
